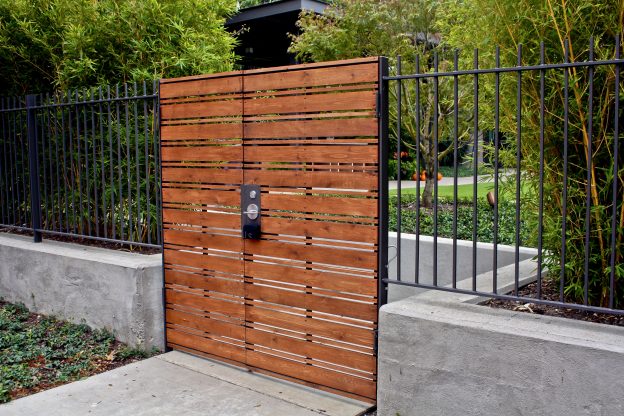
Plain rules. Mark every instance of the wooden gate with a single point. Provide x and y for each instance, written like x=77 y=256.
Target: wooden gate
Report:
x=301 y=301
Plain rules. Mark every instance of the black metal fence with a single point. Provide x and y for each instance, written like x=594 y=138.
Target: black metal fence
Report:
x=82 y=164
x=551 y=176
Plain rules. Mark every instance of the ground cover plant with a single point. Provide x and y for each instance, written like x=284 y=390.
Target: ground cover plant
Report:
x=465 y=208
x=39 y=352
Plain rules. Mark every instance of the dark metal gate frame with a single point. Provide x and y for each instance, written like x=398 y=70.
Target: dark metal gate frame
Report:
x=382 y=183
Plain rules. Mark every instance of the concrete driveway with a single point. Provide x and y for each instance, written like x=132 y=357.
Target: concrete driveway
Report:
x=179 y=384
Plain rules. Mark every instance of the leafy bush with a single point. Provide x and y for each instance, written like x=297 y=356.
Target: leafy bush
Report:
x=485 y=220
x=557 y=23
x=61 y=44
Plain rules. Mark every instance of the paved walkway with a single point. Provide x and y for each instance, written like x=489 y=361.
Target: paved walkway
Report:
x=180 y=384
x=466 y=180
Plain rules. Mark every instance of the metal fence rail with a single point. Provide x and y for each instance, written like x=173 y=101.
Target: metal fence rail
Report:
x=527 y=111
x=83 y=164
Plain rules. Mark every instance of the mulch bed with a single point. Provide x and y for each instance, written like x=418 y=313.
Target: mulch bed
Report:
x=550 y=291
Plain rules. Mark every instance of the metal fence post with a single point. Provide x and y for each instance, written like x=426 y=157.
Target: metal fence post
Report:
x=33 y=163
x=382 y=112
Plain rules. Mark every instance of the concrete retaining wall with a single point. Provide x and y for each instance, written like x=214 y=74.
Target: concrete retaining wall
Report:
x=103 y=288
x=439 y=355
x=485 y=251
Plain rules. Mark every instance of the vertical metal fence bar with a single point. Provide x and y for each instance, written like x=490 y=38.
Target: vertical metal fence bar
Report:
x=129 y=181
x=455 y=161
x=102 y=185
x=87 y=141
x=540 y=214
x=95 y=185
x=157 y=163
x=110 y=163
x=383 y=144
x=147 y=175
x=120 y=215
x=79 y=163
x=3 y=179
x=564 y=197
x=475 y=168
x=44 y=157
x=138 y=225
x=418 y=155
x=398 y=157
x=496 y=171
x=435 y=167
x=14 y=154
x=33 y=158
x=518 y=168
x=72 y=162
x=589 y=185
x=66 y=184
x=11 y=164
x=20 y=176
x=616 y=139
x=57 y=163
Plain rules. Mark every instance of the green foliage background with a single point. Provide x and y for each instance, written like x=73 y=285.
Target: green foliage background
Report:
x=510 y=23
x=50 y=45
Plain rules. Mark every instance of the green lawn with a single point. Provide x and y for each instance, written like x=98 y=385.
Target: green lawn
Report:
x=446 y=192
x=464 y=192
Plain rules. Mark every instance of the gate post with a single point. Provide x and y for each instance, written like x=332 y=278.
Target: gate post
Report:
x=33 y=166
x=382 y=114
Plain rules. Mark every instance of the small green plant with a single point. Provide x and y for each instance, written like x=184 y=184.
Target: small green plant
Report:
x=37 y=351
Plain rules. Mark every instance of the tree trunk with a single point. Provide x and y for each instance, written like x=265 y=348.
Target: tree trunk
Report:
x=427 y=195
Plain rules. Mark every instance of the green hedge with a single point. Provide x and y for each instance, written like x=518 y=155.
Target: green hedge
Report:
x=485 y=220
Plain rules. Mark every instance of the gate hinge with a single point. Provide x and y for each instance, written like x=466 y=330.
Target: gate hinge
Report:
x=376 y=343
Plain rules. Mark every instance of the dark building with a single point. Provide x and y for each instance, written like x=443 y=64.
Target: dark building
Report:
x=264 y=39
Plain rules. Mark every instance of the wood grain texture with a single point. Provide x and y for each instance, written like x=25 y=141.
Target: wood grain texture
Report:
x=300 y=302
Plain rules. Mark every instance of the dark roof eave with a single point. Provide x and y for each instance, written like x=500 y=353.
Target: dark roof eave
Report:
x=278 y=7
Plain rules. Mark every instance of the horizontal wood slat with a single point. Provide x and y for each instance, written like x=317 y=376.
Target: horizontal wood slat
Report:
x=297 y=299
x=314 y=77
x=340 y=381
x=217 y=108
x=202 y=153
x=213 y=284
x=313 y=350
x=205 y=303
x=201 y=131
x=326 y=205
x=206 y=324
x=222 y=264
x=202 y=218
x=201 y=196
x=320 y=254
x=221 y=349
x=357 y=100
x=320 y=229
x=205 y=240
x=307 y=179
x=203 y=175
x=309 y=325
x=317 y=154
x=311 y=128
x=218 y=85
x=313 y=278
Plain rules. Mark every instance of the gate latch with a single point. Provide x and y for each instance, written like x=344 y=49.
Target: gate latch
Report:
x=250 y=211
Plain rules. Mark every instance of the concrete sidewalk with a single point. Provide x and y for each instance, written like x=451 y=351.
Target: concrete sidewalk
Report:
x=181 y=384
